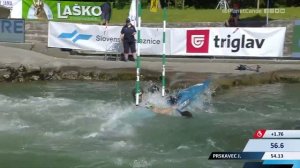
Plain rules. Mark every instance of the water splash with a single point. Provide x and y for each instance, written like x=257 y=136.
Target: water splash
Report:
x=142 y=162
x=212 y=143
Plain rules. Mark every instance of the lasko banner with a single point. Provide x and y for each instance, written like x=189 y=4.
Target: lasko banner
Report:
x=62 y=10
x=296 y=39
x=15 y=7
x=260 y=42
x=12 y=30
x=101 y=38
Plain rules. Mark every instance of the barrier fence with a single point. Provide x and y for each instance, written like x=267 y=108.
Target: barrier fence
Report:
x=256 y=42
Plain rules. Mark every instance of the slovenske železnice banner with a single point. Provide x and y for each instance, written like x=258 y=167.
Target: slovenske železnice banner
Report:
x=61 y=10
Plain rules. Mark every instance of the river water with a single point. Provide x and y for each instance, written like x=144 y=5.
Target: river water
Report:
x=95 y=124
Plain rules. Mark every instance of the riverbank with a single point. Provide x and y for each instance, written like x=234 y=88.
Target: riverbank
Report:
x=18 y=65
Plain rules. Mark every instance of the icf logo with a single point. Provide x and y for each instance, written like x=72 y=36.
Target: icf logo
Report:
x=197 y=41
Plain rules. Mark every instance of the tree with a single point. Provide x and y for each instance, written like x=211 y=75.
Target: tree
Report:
x=179 y=3
x=292 y=3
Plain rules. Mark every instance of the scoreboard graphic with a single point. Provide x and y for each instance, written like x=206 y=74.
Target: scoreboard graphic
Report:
x=267 y=149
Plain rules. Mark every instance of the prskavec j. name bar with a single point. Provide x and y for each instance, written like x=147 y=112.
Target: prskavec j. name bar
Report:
x=226 y=156
x=236 y=155
x=237 y=43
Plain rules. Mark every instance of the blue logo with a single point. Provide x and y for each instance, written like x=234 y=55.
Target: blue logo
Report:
x=76 y=35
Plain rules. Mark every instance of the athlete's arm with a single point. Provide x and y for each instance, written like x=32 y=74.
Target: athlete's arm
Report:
x=164 y=111
x=160 y=110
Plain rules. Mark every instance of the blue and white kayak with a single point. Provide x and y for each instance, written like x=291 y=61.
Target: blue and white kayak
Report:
x=186 y=96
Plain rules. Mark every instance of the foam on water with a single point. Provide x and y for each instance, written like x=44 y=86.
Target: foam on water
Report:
x=37 y=104
x=156 y=99
x=114 y=118
x=118 y=122
x=119 y=161
x=142 y=162
x=183 y=147
x=122 y=145
x=212 y=143
x=54 y=134
x=91 y=135
x=10 y=125
x=4 y=100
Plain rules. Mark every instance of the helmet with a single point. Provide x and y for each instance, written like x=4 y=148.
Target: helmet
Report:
x=172 y=100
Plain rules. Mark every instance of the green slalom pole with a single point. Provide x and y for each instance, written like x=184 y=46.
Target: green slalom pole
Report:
x=164 y=53
x=138 y=58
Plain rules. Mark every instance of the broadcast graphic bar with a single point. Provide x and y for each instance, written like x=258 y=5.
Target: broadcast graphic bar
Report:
x=273 y=145
x=277 y=134
x=281 y=156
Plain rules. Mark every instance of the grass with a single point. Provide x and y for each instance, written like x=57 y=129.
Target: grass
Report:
x=203 y=15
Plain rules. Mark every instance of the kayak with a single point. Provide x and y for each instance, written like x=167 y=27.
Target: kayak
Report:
x=186 y=96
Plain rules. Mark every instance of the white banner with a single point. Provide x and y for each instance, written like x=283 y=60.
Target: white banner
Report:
x=101 y=38
x=15 y=7
x=85 y=37
x=152 y=41
x=258 y=42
